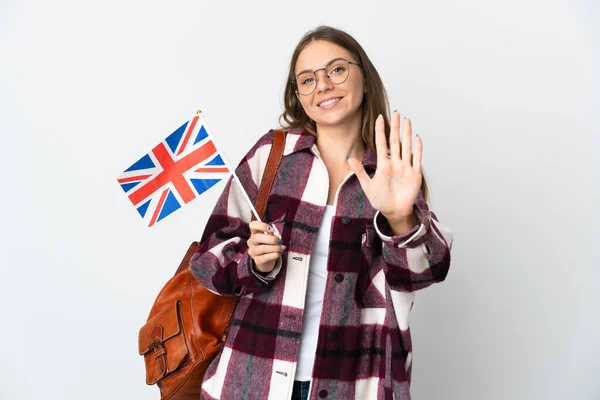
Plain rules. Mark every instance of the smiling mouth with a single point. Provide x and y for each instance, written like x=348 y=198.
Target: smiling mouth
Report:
x=329 y=102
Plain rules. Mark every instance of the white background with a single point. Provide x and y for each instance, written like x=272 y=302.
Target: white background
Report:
x=504 y=94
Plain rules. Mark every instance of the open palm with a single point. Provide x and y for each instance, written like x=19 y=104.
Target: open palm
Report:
x=395 y=186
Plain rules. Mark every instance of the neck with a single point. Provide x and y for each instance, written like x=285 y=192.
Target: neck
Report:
x=337 y=142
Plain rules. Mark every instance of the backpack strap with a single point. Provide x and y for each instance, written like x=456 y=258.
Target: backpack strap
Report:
x=269 y=173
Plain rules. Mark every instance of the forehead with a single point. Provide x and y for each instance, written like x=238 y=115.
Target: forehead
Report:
x=318 y=53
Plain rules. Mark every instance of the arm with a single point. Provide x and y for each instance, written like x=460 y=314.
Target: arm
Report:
x=418 y=258
x=421 y=256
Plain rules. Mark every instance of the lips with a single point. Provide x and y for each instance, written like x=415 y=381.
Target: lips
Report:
x=329 y=101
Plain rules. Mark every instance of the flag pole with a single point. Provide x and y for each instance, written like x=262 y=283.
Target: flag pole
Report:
x=235 y=177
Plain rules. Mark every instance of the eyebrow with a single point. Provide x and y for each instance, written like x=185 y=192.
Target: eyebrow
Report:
x=326 y=65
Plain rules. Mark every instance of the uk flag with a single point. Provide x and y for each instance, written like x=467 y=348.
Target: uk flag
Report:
x=182 y=167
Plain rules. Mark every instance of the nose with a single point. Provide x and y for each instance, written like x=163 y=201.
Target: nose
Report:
x=323 y=82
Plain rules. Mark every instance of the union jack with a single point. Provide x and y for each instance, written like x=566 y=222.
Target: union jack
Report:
x=179 y=169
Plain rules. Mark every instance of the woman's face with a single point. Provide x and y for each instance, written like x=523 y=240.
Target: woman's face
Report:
x=330 y=104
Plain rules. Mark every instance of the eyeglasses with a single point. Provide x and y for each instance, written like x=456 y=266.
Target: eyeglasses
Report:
x=337 y=71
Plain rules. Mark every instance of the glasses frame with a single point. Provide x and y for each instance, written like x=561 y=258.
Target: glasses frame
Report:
x=295 y=84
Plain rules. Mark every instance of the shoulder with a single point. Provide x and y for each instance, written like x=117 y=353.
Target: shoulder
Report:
x=252 y=166
x=263 y=145
x=296 y=139
x=255 y=160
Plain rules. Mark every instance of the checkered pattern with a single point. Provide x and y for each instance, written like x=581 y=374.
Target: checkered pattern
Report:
x=364 y=347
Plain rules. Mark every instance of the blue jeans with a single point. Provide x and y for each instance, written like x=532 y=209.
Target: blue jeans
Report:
x=300 y=391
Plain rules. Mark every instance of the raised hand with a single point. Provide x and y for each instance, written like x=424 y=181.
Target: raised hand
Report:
x=395 y=186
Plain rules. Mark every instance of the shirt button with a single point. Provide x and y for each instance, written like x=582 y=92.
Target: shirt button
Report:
x=339 y=277
x=345 y=220
x=323 y=394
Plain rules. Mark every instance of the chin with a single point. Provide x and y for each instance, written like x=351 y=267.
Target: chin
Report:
x=335 y=119
x=330 y=121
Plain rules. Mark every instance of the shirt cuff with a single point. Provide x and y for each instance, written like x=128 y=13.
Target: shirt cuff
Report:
x=248 y=280
x=271 y=275
x=384 y=230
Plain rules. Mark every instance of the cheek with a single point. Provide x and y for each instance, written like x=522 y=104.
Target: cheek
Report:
x=305 y=102
x=358 y=87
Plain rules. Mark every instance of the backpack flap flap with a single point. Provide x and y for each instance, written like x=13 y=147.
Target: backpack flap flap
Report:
x=162 y=343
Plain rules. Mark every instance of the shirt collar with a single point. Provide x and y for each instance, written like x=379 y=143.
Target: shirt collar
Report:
x=299 y=139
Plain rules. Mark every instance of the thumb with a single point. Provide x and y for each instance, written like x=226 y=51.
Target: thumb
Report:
x=359 y=171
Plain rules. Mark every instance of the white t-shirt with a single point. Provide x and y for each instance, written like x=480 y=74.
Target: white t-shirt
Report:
x=317 y=275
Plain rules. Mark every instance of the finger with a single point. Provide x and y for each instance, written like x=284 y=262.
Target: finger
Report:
x=258 y=226
x=359 y=171
x=262 y=249
x=395 y=137
x=407 y=141
x=418 y=155
x=266 y=258
x=380 y=144
x=263 y=238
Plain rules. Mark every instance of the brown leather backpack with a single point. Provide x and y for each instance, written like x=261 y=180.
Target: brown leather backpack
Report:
x=187 y=323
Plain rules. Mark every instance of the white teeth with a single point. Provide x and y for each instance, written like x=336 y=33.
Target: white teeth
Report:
x=328 y=102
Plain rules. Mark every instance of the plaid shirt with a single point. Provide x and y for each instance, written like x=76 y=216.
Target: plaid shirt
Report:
x=364 y=347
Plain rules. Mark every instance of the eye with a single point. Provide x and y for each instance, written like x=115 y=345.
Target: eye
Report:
x=339 y=68
x=305 y=79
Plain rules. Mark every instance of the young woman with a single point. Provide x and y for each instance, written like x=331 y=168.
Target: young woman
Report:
x=323 y=311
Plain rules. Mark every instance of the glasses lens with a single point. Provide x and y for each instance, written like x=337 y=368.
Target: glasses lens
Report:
x=306 y=83
x=338 y=72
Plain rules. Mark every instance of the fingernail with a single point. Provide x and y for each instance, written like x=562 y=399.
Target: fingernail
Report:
x=417 y=135
x=269 y=227
x=395 y=111
x=347 y=157
x=283 y=248
x=280 y=241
